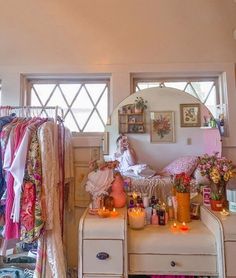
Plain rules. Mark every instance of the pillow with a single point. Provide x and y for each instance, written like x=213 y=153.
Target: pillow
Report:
x=199 y=178
x=185 y=164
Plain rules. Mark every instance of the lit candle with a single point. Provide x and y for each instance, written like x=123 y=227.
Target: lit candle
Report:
x=103 y=212
x=174 y=227
x=224 y=212
x=114 y=213
x=134 y=195
x=184 y=227
x=136 y=218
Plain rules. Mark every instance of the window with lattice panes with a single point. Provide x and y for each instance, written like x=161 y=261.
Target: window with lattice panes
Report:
x=206 y=90
x=84 y=102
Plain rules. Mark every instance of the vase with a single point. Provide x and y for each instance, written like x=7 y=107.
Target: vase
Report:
x=118 y=193
x=183 y=207
x=138 y=110
x=219 y=189
x=216 y=205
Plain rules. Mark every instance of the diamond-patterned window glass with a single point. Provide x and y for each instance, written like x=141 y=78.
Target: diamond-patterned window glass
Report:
x=205 y=90
x=85 y=103
x=177 y=85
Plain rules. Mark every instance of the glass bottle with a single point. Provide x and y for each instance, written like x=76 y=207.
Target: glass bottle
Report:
x=154 y=217
x=170 y=208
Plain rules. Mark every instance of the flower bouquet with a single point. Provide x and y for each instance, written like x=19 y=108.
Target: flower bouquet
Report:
x=219 y=170
x=182 y=184
x=99 y=180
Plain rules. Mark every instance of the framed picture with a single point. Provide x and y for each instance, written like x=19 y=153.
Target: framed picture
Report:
x=141 y=128
x=195 y=210
x=162 y=127
x=190 y=115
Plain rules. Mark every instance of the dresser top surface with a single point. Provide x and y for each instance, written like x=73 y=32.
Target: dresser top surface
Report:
x=163 y=239
x=229 y=225
x=96 y=227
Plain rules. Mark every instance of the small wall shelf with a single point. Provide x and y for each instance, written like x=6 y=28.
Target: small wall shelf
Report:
x=129 y=121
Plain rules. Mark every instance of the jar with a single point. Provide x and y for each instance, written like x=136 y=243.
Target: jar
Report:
x=145 y=200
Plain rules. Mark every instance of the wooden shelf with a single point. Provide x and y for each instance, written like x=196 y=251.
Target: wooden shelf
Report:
x=131 y=122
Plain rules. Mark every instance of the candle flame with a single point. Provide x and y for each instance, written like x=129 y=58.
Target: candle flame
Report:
x=114 y=209
x=103 y=208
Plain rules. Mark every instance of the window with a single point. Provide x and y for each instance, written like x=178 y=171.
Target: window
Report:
x=84 y=102
x=206 y=90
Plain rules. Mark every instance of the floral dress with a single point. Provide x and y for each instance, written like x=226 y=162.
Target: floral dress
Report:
x=32 y=222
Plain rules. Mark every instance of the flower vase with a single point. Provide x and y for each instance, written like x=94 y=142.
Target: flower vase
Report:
x=137 y=110
x=118 y=193
x=219 y=190
x=183 y=207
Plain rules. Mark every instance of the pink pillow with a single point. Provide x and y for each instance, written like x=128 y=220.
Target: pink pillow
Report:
x=186 y=164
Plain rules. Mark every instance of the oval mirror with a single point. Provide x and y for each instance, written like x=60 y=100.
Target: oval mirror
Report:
x=175 y=124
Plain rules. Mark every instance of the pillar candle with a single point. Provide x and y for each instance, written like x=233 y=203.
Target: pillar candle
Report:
x=136 y=218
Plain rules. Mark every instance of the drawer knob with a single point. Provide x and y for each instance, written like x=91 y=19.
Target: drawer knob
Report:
x=102 y=255
x=172 y=263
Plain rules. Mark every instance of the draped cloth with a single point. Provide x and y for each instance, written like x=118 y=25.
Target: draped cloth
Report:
x=54 y=261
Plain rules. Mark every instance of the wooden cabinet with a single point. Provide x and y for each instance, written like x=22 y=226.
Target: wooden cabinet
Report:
x=228 y=226
x=158 y=250
x=131 y=122
x=102 y=246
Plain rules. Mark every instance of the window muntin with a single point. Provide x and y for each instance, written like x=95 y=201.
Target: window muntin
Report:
x=85 y=102
x=206 y=90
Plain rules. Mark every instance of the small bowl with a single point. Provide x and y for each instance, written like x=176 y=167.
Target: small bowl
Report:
x=103 y=213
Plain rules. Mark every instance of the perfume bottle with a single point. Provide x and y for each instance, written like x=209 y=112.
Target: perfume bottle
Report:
x=170 y=208
x=162 y=217
x=154 y=217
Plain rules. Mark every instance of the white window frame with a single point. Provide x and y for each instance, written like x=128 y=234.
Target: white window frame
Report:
x=29 y=80
x=217 y=78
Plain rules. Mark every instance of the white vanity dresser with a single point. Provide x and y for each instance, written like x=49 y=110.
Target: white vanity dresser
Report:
x=108 y=249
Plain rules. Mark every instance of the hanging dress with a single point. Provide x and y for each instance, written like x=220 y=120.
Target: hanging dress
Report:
x=3 y=121
x=55 y=260
x=31 y=215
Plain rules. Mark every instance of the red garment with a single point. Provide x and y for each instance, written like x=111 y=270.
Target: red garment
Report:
x=28 y=206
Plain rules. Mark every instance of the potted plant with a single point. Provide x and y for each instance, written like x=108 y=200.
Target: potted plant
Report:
x=182 y=188
x=219 y=170
x=216 y=202
x=140 y=104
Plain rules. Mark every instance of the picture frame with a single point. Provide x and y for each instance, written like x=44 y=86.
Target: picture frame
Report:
x=190 y=115
x=195 y=210
x=162 y=127
x=141 y=129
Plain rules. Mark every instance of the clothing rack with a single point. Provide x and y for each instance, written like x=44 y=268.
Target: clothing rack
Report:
x=56 y=116
x=27 y=111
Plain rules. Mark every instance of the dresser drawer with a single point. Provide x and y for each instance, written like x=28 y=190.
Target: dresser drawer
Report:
x=164 y=264
x=102 y=257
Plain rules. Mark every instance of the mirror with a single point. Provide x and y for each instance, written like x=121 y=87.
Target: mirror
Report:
x=187 y=139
